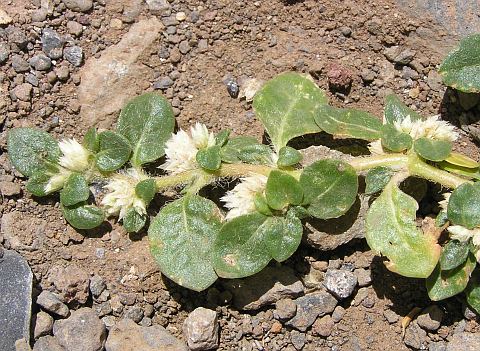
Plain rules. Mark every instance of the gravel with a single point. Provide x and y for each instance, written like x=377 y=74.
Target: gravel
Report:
x=340 y=283
x=51 y=303
x=201 y=329
x=311 y=306
x=431 y=318
x=40 y=62
x=43 y=324
x=74 y=55
x=79 y=5
x=52 y=43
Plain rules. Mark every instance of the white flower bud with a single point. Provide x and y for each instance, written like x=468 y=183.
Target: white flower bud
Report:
x=75 y=156
x=57 y=180
x=431 y=128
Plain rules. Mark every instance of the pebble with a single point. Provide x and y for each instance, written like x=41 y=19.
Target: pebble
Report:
x=48 y=343
x=311 y=306
x=399 y=55
x=338 y=314
x=52 y=44
x=40 y=62
x=74 y=55
x=17 y=36
x=390 y=316
x=97 y=285
x=184 y=47
x=158 y=6
x=4 y=18
x=431 y=318
x=298 y=339
x=163 y=83
x=103 y=309
x=340 y=283
x=79 y=5
x=339 y=77
x=51 y=303
x=39 y=15
x=23 y=92
x=437 y=346
x=19 y=64
x=464 y=342
x=323 y=326
x=201 y=329
x=82 y=331
x=74 y=28
x=116 y=23
x=346 y=31
x=43 y=324
x=135 y=314
x=10 y=189
x=367 y=75
x=415 y=336
x=276 y=327
x=72 y=282
x=62 y=73
x=180 y=16
x=4 y=52
x=285 y=309
x=364 y=276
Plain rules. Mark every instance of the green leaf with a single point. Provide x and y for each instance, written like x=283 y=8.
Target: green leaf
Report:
x=287 y=105
x=74 y=190
x=240 y=249
x=222 y=137
x=282 y=190
x=444 y=284
x=394 y=140
x=37 y=183
x=261 y=204
x=181 y=241
x=473 y=291
x=83 y=216
x=283 y=237
x=391 y=231
x=30 y=150
x=230 y=151
x=464 y=205
x=288 y=156
x=330 y=188
x=147 y=122
x=433 y=150
x=473 y=173
x=462 y=161
x=461 y=68
x=396 y=110
x=90 y=140
x=441 y=219
x=454 y=253
x=133 y=221
x=257 y=154
x=209 y=158
x=114 y=151
x=377 y=178
x=146 y=190
x=348 y=123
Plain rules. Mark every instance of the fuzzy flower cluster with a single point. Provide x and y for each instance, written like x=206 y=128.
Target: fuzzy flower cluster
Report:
x=181 y=149
x=75 y=158
x=240 y=200
x=122 y=195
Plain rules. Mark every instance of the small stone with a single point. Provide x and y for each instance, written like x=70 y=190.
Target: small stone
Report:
x=338 y=314
x=464 y=342
x=323 y=326
x=10 y=188
x=175 y=55
x=72 y=282
x=415 y=336
x=364 y=277
x=399 y=55
x=390 y=316
x=339 y=77
x=52 y=44
x=298 y=339
x=285 y=309
x=4 y=52
x=163 y=83
x=431 y=318
x=39 y=15
x=78 y=5
x=180 y=16
x=15 y=299
x=409 y=73
x=62 y=73
x=346 y=31
x=135 y=314
x=48 y=343
x=74 y=55
x=311 y=306
x=4 y=18
x=23 y=92
x=203 y=45
x=367 y=76
x=17 y=36
x=82 y=331
x=40 y=62
x=437 y=346
x=201 y=329
x=276 y=327
x=51 y=303
x=116 y=23
x=184 y=47
x=19 y=64
x=97 y=285
x=109 y=321
x=232 y=88
x=74 y=28
x=22 y=345
x=43 y=324
x=340 y=283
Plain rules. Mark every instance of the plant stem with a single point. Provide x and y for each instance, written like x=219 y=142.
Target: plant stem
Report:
x=395 y=161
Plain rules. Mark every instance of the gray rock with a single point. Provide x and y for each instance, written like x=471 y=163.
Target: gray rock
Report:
x=74 y=28
x=430 y=318
x=437 y=346
x=364 y=276
x=51 y=303
x=82 y=331
x=39 y=15
x=47 y=343
x=158 y=6
x=464 y=342
x=135 y=314
x=71 y=281
x=163 y=83
x=33 y=80
x=184 y=47
x=17 y=36
x=79 y=5
x=390 y=316
x=43 y=324
x=97 y=285
x=285 y=309
x=399 y=55
x=52 y=43
x=201 y=329
x=23 y=92
x=265 y=288
x=409 y=73
x=74 y=55
x=15 y=299
x=4 y=52
x=19 y=64
x=103 y=309
x=415 y=337
x=340 y=283
x=40 y=62
x=311 y=306
x=298 y=339
x=128 y=336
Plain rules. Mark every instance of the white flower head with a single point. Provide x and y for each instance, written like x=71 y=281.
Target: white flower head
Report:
x=181 y=149
x=431 y=128
x=462 y=234
x=122 y=194
x=376 y=148
x=75 y=156
x=444 y=203
x=240 y=200
x=57 y=180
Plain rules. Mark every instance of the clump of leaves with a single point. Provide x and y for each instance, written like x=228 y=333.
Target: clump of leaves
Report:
x=194 y=241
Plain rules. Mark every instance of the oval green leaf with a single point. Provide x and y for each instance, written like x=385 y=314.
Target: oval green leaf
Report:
x=391 y=231
x=30 y=150
x=454 y=253
x=222 y=137
x=209 y=158
x=377 y=178
x=261 y=205
x=257 y=154
x=433 y=150
x=230 y=151
x=114 y=151
x=348 y=123
x=181 y=241
x=473 y=173
x=282 y=190
x=90 y=140
x=464 y=205
x=288 y=156
x=396 y=110
x=461 y=68
x=283 y=236
x=394 y=140
x=462 y=161
x=133 y=221
x=83 y=216
x=146 y=190
x=74 y=190
x=287 y=105
x=330 y=188
x=147 y=122
x=473 y=291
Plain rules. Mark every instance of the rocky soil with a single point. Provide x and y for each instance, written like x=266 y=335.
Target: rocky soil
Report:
x=69 y=64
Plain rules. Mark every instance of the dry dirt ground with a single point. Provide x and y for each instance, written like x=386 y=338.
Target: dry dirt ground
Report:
x=188 y=60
